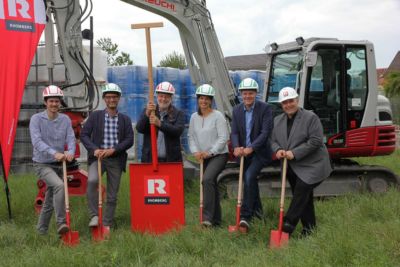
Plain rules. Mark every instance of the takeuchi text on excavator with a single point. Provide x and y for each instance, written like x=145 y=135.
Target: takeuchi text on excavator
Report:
x=336 y=79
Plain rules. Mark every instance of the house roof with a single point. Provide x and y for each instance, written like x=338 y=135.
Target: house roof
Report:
x=247 y=62
x=395 y=65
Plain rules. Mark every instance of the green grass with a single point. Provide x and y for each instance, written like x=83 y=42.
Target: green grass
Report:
x=353 y=230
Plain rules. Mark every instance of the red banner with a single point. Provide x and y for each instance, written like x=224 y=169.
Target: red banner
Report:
x=21 y=25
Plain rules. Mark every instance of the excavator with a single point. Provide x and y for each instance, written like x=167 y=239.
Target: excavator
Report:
x=336 y=79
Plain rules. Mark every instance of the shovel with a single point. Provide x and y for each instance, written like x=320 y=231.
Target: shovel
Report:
x=235 y=228
x=279 y=238
x=70 y=238
x=157 y=202
x=201 y=190
x=100 y=232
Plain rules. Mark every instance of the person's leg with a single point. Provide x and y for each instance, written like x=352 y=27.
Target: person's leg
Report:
x=55 y=197
x=91 y=191
x=46 y=212
x=113 y=170
x=301 y=196
x=212 y=207
x=251 y=192
x=308 y=219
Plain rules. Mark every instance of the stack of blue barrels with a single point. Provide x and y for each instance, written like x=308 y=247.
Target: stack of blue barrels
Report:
x=134 y=85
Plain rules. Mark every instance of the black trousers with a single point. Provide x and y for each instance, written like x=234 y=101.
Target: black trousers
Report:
x=302 y=204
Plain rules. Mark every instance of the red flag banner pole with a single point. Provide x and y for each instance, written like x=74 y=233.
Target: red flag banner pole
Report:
x=6 y=189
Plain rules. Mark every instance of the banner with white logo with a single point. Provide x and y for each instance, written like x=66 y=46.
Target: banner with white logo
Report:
x=21 y=25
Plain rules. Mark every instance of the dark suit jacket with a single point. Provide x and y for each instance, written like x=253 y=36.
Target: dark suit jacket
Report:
x=311 y=161
x=172 y=127
x=93 y=133
x=261 y=130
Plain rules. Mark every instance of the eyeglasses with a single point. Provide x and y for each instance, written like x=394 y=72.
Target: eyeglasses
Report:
x=111 y=97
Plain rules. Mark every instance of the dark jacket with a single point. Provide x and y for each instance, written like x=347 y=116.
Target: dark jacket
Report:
x=261 y=130
x=172 y=127
x=93 y=133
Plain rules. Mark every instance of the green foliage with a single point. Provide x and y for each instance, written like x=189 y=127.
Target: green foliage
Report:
x=353 y=230
x=174 y=60
x=113 y=59
x=392 y=84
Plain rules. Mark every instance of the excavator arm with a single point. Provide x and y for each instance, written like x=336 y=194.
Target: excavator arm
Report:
x=79 y=86
x=200 y=43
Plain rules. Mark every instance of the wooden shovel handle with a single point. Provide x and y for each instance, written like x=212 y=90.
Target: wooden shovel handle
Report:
x=284 y=170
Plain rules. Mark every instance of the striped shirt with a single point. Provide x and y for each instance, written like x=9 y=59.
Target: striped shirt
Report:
x=50 y=136
x=110 y=131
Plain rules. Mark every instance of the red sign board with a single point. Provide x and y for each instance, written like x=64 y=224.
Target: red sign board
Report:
x=157 y=197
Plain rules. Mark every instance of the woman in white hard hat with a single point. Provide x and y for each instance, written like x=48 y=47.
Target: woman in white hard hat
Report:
x=298 y=137
x=208 y=136
x=170 y=123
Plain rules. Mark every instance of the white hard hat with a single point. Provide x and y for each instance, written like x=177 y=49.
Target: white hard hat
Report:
x=205 y=89
x=111 y=88
x=166 y=88
x=287 y=93
x=248 y=84
x=52 y=91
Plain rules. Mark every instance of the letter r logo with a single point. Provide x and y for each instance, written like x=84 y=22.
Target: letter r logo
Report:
x=23 y=8
x=156 y=184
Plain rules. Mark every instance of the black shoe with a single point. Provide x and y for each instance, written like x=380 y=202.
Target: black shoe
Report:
x=306 y=232
x=288 y=228
x=244 y=223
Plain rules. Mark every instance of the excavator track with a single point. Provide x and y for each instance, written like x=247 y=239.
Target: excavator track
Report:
x=347 y=177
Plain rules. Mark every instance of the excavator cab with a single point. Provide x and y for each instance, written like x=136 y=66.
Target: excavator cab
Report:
x=340 y=86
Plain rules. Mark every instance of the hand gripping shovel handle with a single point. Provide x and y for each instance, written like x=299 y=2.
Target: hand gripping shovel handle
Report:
x=201 y=189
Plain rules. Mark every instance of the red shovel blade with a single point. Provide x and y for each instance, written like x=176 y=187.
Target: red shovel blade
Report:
x=233 y=228
x=278 y=239
x=70 y=238
x=99 y=233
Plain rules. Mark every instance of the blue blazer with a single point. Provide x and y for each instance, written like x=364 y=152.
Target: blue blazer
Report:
x=261 y=129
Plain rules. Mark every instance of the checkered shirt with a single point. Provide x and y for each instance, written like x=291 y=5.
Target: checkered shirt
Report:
x=110 y=131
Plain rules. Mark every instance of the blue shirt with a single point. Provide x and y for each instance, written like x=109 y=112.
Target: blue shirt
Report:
x=110 y=131
x=249 y=116
x=50 y=136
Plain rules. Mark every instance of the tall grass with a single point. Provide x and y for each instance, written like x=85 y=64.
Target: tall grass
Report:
x=353 y=230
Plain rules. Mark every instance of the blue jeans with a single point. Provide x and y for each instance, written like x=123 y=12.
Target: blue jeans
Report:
x=251 y=203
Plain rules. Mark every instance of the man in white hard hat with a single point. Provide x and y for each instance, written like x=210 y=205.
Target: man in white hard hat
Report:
x=298 y=137
x=50 y=132
x=169 y=122
x=107 y=135
x=251 y=129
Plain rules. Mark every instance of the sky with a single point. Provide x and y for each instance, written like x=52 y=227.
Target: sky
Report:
x=248 y=26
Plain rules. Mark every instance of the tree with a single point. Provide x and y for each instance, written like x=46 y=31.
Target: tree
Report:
x=392 y=84
x=173 y=60
x=113 y=59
